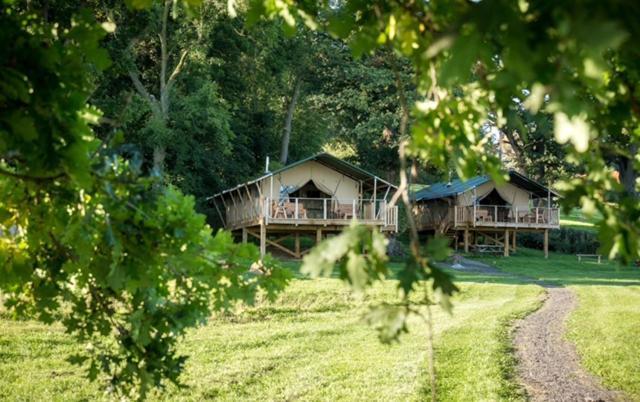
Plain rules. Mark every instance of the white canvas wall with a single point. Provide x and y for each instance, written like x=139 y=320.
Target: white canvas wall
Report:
x=514 y=195
x=343 y=188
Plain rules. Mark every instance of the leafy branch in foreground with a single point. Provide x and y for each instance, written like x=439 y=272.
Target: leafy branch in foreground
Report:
x=123 y=262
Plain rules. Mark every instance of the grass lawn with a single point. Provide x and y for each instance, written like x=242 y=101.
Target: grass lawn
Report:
x=605 y=325
x=577 y=220
x=310 y=345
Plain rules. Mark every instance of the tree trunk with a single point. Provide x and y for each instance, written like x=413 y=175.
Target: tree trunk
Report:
x=159 y=154
x=517 y=148
x=628 y=175
x=291 y=108
x=160 y=107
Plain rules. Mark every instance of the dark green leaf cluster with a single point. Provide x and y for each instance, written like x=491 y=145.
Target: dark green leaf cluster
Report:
x=121 y=260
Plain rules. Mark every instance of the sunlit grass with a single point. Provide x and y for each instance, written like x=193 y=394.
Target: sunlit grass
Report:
x=605 y=331
x=578 y=220
x=605 y=325
x=310 y=345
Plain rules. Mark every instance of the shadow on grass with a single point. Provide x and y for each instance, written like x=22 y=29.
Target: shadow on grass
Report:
x=564 y=269
x=528 y=266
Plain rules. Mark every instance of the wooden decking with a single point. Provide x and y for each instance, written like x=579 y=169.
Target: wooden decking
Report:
x=272 y=222
x=311 y=213
x=489 y=216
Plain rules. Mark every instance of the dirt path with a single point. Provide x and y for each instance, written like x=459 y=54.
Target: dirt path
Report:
x=549 y=366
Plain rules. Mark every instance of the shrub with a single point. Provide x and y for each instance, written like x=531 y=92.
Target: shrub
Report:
x=564 y=240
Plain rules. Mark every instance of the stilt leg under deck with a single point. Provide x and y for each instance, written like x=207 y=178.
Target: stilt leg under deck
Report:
x=514 y=241
x=466 y=240
x=546 y=243
x=506 y=243
x=297 y=245
x=263 y=239
x=318 y=235
x=244 y=235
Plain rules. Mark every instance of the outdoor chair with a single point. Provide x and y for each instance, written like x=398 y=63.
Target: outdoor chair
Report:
x=482 y=215
x=542 y=217
x=278 y=211
x=290 y=210
x=344 y=211
x=527 y=217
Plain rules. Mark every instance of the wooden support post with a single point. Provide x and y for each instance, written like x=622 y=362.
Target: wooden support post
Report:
x=506 y=242
x=244 y=235
x=297 y=245
x=263 y=239
x=466 y=240
x=318 y=236
x=514 y=241
x=546 y=243
x=215 y=204
x=271 y=189
x=375 y=190
x=324 y=209
x=455 y=216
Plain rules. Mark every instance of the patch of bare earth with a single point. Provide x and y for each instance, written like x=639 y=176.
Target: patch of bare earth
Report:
x=549 y=366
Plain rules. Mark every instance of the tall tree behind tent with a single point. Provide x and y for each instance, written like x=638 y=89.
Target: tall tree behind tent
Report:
x=366 y=106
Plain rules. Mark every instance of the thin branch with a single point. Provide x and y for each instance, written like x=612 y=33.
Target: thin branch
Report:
x=163 y=46
x=176 y=71
x=143 y=91
x=35 y=179
x=403 y=192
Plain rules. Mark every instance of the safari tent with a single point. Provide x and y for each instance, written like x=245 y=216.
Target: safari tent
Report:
x=312 y=197
x=482 y=214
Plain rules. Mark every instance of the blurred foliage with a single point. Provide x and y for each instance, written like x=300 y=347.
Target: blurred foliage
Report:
x=360 y=256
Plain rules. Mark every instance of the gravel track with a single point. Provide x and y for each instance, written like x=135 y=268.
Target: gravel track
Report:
x=548 y=365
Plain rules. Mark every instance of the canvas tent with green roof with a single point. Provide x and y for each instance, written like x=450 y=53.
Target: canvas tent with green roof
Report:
x=312 y=197
x=483 y=215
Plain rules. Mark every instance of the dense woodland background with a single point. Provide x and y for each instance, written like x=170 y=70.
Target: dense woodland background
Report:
x=207 y=99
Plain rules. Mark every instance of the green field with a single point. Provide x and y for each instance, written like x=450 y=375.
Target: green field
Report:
x=605 y=325
x=312 y=344
x=578 y=220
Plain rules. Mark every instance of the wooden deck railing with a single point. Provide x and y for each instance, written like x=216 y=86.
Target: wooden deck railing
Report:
x=508 y=216
x=487 y=216
x=311 y=210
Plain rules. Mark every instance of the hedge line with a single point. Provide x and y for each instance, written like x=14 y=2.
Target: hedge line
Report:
x=564 y=240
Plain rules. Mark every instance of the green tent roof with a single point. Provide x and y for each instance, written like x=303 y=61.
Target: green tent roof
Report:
x=455 y=187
